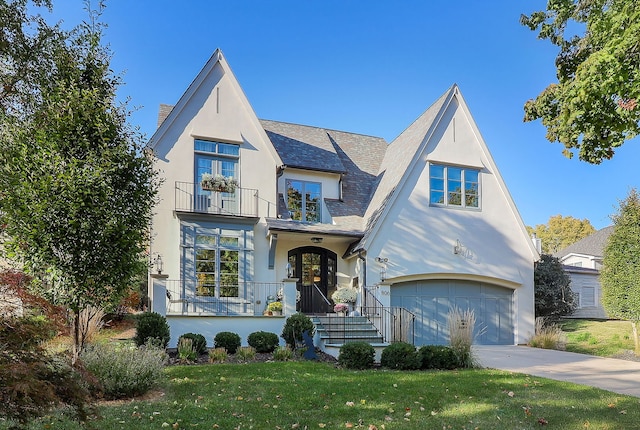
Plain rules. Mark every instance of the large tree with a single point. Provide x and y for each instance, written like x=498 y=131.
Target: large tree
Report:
x=620 y=275
x=76 y=187
x=560 y=232
x=593 y=108
x=553 y=295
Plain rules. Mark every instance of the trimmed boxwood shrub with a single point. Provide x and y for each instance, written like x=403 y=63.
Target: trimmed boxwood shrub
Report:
x=199 y=342
x=356 y=355
x=401 y=356
x=154 y=327
x=294 y=326
x=263 y=341
x=228 y=340
x=438 y=357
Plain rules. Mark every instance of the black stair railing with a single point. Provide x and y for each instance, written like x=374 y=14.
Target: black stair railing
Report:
x=394 y=323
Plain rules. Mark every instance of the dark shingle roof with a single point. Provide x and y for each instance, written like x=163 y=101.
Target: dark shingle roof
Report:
x=590 y=245
x=357 y=157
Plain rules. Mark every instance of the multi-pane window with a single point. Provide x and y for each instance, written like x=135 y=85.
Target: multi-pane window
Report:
x=216 y=158
x=217 y=265
x=454 y=186
x=304 y=200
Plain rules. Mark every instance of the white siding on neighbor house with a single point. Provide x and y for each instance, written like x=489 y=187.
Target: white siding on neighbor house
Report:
x=587 y=287
x=580 y=260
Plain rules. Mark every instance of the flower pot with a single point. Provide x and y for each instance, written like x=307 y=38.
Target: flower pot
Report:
x=341 y=313
x=276 y=313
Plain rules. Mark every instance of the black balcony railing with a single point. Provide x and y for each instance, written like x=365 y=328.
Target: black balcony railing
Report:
x=190 y=197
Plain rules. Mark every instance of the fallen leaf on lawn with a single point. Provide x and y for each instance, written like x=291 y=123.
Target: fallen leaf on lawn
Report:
x=388 y=418
x=295 y=426
x=542 y=421
x=510 y=394
x=349 y=403
x=322 y=425
x=348 y=425
x=527 y=410
x=239 y=398
x=165 y=424
x=395 y=385
x=612 y=405
x=363 y=401
x=175 y=425
x=623 y=412
x=372 y=427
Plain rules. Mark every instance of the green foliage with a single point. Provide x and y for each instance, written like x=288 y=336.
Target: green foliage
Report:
x=33 y=381
x=199 y=342
x=356 y=355
x=246 y=353
x=594 y=106
x=152 y=326
x=294 y=327
x=124 y=370
x=227 y=340
x=553 y=295
x=263 y=341
x=186 y=351
x=620 y=276
x=560 y=232
x=218 y=355
x=438 y=357
x=401 y=356
x=77 y=187
x=282 y=353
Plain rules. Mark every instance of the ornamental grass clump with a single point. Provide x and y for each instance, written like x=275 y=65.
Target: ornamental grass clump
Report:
x=218 y=355
x=548 y=335
x=246 y=353
x=186 y=351
x=124 y=370
x=199 y=342
x=461 y=326
x=283 y=353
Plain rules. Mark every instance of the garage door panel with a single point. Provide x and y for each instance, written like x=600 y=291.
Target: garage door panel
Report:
x=430 y=301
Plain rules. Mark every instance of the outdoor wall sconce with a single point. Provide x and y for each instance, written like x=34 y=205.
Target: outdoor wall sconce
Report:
x=316 y=239
x=159 y=264
x=382 y=260
x=289 y=270
x=383 y=267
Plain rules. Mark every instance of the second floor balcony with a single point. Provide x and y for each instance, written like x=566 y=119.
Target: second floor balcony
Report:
x=190 y=197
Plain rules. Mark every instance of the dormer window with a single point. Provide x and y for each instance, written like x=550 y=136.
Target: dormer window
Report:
x=304 y=200
x=454 y=186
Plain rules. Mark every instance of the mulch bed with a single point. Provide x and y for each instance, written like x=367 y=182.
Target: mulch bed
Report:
x=234 y=359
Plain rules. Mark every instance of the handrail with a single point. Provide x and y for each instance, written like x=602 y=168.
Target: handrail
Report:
x=321 y=294
x=395 y=323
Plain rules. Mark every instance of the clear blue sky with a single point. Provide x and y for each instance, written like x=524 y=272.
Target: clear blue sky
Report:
x=369 y=67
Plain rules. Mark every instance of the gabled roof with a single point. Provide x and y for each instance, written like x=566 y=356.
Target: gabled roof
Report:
x=355 y=156
x=399 y=157
x=592 y=245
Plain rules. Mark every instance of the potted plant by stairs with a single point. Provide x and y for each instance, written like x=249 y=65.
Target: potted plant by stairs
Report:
x=275 y=308
x=341 y=309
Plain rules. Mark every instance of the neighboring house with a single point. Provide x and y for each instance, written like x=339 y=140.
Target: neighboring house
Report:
x=416 y=226
x=583 y=262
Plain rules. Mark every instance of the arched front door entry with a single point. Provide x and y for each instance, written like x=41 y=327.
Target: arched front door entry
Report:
x=315 y=269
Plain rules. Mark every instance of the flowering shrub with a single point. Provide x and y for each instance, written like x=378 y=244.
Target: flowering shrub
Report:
x=225 y=184
x=341 y=307
x=344 y=295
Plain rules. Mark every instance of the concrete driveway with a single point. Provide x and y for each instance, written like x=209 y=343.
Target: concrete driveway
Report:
x=619 y=376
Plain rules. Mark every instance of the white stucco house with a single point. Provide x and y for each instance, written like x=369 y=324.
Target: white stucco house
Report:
x=583 y=261
x=416 y=226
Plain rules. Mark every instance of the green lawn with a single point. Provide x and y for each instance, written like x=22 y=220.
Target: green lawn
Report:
x=597 y=337
x=299 y=395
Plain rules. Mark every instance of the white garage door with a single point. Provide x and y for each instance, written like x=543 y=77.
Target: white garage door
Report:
x=430 y=301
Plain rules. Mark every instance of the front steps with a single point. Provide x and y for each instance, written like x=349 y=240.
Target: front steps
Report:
x=333 y=331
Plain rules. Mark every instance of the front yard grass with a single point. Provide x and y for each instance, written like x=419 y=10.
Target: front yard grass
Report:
x=598 y=337
x=311 y=395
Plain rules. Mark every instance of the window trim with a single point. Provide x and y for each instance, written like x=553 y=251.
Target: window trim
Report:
x=463 y=181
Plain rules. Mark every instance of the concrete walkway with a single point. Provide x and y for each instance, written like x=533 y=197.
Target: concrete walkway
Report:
x=619 y=376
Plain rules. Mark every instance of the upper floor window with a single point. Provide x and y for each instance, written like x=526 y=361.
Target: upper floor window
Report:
x=454 y=186
x=304 y=200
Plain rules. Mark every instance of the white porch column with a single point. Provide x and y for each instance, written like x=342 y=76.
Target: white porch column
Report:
x=158 y=294
x=289 y=300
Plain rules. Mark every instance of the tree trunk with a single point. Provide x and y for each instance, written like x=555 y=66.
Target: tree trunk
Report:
x=634 y=325
x=76 y=335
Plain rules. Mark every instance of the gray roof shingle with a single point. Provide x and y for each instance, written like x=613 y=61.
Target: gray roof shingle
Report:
x=590 y=245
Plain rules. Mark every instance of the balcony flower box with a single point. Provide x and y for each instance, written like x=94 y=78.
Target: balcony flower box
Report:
x=218 y=183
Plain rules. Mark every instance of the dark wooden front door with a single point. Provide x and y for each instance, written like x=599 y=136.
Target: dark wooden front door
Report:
x=315 y=269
